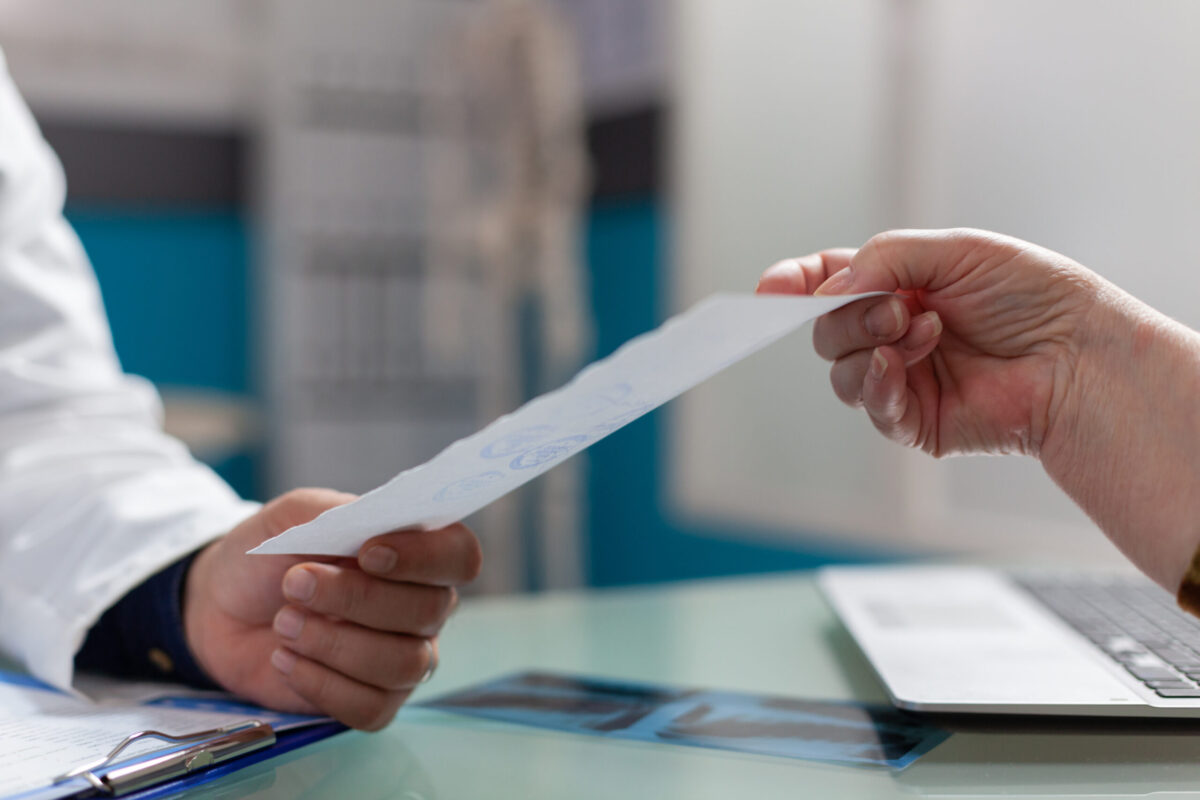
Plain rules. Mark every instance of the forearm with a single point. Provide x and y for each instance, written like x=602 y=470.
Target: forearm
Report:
x=1125 y=442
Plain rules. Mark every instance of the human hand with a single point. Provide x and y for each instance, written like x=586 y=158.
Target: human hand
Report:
x=976 y=352
x=994 y=345
x=342 y=637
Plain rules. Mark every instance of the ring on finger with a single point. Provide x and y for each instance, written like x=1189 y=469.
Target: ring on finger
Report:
x=433 y=662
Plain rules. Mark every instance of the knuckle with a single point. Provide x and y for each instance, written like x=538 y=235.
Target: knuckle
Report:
x=412 y=659
x=286 y=510
x=888 y=414
x=402 y=670
x=300 y=505
x=363 y=718
x=377 y=715
x=375 y=721
x=425 y=610
x=473 y=562
x=433 y=609
x=286 y=500
x=300 y=495
x=339 y=592
x=316 y=684
x=889 y=421
x=847 y=382
x=847 y=395
x=356 y=593
x=368 y=709
x=973 y=235
x=327 y=638
x=881 y=241
x=445 y=602
x=323 y=593
x=821 y=338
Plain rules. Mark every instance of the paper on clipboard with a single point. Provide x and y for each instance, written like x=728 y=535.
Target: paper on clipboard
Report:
x=44 y=731
x=640 y=376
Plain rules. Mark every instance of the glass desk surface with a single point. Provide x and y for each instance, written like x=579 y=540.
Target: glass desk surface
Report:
x=771 y=635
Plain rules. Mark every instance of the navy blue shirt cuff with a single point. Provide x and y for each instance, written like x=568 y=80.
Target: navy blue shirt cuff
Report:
x=142 y=636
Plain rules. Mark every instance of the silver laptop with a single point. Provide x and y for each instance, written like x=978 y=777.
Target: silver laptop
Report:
x=965 y=639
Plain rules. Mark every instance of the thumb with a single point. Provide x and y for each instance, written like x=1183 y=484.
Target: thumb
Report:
x=909 y=259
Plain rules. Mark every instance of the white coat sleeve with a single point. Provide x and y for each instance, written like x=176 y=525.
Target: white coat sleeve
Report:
x=94 y=497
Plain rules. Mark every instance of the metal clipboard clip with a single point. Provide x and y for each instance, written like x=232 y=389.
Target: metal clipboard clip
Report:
x=212 y=747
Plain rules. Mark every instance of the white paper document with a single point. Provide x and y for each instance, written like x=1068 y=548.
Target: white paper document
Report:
x=45 y=732
x=640 y=376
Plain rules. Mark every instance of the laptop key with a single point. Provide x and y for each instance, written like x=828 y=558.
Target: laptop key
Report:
x=1122 y=644
x=1137 y=625
x=1151 y=673
x=1177 y=657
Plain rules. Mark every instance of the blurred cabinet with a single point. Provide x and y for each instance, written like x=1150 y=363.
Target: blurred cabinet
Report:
x=353 y=395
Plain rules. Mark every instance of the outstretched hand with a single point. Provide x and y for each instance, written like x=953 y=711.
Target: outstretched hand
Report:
x=994 y=345
x=342 y=637
x=973 y=353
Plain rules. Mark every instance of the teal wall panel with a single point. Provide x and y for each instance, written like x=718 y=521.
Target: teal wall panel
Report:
x=176 y=286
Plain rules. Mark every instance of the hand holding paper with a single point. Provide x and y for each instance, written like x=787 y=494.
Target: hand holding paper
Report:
x=639 y=377
x=348 y=639
x=1024 y=351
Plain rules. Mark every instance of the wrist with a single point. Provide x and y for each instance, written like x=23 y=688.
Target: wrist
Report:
x=195 y=606
x=1122 y=442
x=142 y=635
x=1085 y=370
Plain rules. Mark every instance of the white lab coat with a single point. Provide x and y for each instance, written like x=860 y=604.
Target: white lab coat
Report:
x=94 y=497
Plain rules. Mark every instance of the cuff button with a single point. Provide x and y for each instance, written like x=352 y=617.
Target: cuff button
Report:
x=161 y=660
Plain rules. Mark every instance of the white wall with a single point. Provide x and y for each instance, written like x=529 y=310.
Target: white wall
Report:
x=816 y=123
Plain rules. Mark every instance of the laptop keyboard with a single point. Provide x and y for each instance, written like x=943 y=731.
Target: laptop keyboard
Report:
x=1132 y=620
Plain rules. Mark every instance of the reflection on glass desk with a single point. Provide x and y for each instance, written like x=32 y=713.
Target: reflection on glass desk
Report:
x=772 y=635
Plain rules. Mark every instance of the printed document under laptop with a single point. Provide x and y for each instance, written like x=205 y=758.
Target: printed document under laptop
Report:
x=976 y=640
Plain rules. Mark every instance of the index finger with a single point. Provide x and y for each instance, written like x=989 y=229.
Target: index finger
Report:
x=914 y=259
x=803 y=275
x=446 y=557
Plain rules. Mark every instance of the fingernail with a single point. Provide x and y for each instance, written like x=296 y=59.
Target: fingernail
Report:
x=879 y=365
x=289 y=622
x=300 y=585
x=283 y=660
x=379 y=559
x=923 y=329
x=885 y=319
x=838 y=283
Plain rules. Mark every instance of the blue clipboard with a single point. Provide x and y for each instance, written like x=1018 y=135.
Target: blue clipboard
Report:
x=187 y=760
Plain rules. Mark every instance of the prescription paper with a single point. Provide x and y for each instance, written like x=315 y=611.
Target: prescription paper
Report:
x=640 y=376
